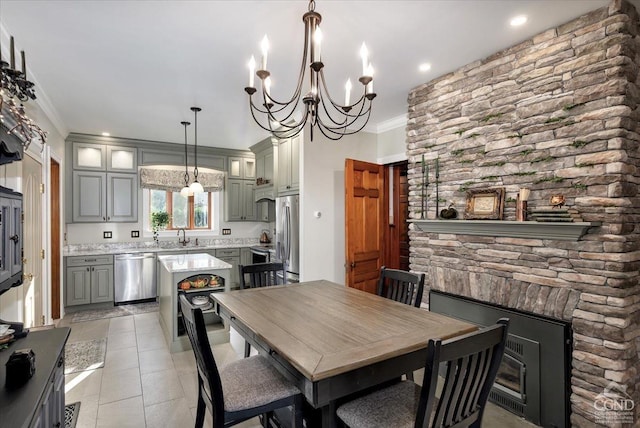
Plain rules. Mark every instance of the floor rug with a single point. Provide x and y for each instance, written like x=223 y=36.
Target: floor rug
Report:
x=87 y=355
x=71 y=412
x=116 y=311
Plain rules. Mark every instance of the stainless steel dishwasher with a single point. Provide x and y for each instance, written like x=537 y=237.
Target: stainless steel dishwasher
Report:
x=135 y=277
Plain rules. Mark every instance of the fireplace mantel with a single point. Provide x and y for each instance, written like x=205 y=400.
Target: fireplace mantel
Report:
x=563 y=231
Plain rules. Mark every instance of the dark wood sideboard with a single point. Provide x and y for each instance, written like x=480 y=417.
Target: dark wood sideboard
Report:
x=40 y=401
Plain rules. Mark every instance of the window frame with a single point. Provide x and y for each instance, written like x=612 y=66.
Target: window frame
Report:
x=214 y=203
x=190 y=210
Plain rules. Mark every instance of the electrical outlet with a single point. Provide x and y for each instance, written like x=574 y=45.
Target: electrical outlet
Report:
x=107 y=235
x=226 y=231
x=135 y=233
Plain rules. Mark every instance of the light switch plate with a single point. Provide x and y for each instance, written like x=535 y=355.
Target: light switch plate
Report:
x=135 y=233
x=107 y=235
x=226 y=231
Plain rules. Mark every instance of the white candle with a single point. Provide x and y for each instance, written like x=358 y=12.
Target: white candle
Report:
x=252 y=71
x=317 y=42
x=369 y=88
x=364 y=54
x=265 y=50
x=347 y=92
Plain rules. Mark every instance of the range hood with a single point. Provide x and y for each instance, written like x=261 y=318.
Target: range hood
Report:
x=10 y=147
x=265 y=193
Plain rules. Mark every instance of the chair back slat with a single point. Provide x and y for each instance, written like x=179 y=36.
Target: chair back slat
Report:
x=208 y=376
x=470 y=366
x=401 y=286
x=261 y=275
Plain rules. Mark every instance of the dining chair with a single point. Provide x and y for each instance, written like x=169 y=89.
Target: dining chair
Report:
x=260 y=275
x=470 y=364
x=401 y=286
x=240 y=390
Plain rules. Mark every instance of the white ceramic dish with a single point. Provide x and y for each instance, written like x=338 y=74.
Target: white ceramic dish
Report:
x=200 y=300
x=3 y=329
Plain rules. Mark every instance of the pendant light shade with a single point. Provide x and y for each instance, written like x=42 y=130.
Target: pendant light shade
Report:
x=186 y=191
x=196 y=187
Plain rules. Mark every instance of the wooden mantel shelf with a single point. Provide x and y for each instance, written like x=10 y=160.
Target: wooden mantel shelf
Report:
x=514 y=229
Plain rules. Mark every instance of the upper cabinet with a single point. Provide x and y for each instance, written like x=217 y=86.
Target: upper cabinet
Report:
x=289 y=166
x=100 y=157
x=104 y=197
x=242 y=168
x=105 y=183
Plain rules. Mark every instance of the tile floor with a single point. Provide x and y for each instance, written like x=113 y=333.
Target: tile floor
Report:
x=143 y=385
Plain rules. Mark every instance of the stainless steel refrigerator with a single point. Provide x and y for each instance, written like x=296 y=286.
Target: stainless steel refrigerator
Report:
x=287 y=234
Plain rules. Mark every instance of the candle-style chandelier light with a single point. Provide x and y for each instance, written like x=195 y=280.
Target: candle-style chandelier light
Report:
x=14 y=82
x=333 y=119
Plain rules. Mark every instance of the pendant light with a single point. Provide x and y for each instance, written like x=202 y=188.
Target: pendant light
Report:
x=195 y=186
x=186 y=191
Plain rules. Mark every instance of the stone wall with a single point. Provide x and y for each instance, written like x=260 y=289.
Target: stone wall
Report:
x=556 y=114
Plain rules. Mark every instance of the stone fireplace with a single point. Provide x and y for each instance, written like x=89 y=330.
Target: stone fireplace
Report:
x=557 y=114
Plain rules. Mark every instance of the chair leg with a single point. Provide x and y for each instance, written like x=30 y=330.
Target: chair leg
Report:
x=409 y=376
x=202 y=408
x=247 y=349
x=297 y=412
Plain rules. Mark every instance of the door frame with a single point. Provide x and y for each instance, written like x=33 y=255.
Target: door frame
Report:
x=38 y=157
x=47 y=156
x=54 y=259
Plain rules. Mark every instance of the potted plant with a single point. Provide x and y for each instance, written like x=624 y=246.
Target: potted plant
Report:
x=159 y=221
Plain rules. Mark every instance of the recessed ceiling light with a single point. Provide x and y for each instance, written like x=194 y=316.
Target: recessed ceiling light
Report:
x=518 y=20
x=106 y=134
x=424 y=67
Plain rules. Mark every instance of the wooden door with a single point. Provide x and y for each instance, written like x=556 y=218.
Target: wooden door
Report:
x=32 y=242
x=364 y=213
x=56 y=242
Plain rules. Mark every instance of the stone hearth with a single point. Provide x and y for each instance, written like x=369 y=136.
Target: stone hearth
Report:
x=557 y=114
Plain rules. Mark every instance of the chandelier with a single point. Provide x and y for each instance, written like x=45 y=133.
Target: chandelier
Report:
x=14 y=85
x=334 y=120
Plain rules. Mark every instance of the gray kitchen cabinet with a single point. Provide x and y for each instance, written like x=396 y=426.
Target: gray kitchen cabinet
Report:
x=264 y=165
x=240 y=201
x=11 y=237
x=40 y=402
x=100 y=197
x=88 y=280
x=51 y=411
x=246 y=258
x=101 y=157
x=77 y=287
x=289 y=166
x=231 y=256
x=243 y=168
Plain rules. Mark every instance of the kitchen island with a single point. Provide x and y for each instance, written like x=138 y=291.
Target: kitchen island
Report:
x=197 y=274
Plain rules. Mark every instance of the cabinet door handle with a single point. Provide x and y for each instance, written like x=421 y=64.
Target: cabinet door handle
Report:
x=93 y=269
x=108 y=218
x=103 y=218
x=88 y=269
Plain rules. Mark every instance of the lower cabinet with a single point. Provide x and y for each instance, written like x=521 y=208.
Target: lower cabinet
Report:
x=51 y=412
x=89 y=280
x=231 y=256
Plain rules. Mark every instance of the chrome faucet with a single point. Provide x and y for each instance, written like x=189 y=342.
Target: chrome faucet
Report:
x=184 y=241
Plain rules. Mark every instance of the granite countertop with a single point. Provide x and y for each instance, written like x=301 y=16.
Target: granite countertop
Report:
x=192 y=262
x=152 y=247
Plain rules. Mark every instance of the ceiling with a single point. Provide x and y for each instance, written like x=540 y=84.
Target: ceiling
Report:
x=134 y=68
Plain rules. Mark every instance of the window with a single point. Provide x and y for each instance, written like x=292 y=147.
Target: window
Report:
x=193 y=212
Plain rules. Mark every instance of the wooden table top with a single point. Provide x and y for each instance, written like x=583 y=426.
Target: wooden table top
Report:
x=324 y=329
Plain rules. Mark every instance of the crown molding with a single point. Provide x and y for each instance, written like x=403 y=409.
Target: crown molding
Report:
x=393 y=123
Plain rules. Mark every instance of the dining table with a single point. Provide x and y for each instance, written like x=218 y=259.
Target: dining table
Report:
x=334 y=341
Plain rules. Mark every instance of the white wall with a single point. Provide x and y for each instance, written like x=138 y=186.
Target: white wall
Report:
x=322 y=189
x=391 y=145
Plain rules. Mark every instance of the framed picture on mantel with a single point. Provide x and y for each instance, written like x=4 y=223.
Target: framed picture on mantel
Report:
x=485 y=204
